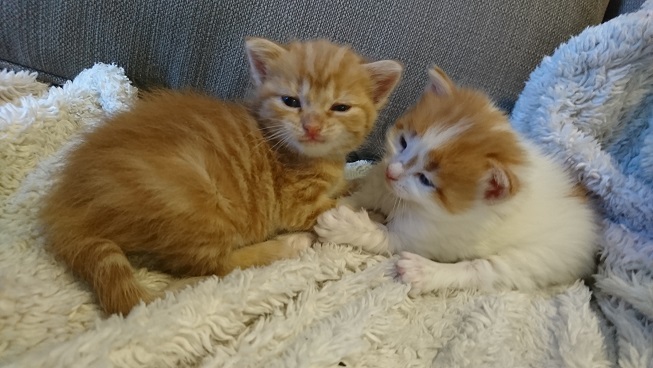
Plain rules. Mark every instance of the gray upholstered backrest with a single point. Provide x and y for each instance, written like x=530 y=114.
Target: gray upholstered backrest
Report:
x=492 y=45
x=618 y=7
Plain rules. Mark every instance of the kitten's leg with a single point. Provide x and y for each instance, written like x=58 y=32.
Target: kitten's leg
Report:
x=261 y=254
x=343 y=225
x=426 y=276
x=495 y=272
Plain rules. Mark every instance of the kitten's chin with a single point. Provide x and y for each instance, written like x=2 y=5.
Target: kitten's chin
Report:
x=398 y=192
x=317 y=149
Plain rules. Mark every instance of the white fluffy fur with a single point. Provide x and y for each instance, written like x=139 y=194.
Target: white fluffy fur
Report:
x=541 y=236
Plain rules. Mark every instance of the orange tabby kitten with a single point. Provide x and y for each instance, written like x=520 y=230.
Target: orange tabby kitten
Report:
x=204 y=186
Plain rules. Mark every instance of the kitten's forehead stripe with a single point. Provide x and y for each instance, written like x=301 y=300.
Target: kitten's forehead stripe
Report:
x=433 y=163
x=325 y=74
x=306 y=87
x=309 y=60
x=323 y=62
x=410 y=163
x=438 y=136
x=337 y=58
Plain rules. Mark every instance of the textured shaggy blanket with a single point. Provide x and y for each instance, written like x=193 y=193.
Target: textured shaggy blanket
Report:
x=589 y=104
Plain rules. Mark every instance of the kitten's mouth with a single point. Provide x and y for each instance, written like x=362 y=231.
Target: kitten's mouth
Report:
x=311 y=140
x=316 y=146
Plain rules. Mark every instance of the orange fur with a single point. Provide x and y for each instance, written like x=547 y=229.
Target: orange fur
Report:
x=204 y=186
x=461 y=165
x=579 y=191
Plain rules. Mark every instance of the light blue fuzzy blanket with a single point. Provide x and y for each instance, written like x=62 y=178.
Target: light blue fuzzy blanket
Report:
x=591 y=105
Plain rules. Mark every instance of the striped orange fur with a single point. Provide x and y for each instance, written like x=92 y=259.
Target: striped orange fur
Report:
x=204 y=186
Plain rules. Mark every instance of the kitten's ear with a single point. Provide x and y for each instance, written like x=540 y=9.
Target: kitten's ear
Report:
x=440 y=83
x=260 y=53
x=385 y=75
x=501 y=183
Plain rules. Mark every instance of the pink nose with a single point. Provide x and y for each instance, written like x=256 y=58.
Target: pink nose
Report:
x=394 y=170
x=312 y=130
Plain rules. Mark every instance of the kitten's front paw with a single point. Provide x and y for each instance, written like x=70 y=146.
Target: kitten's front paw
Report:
x=342 y=225
x=335 y=225
x=413 y=270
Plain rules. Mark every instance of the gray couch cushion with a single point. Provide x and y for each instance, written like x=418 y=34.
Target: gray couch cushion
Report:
x=487 y=44
x=618 y=7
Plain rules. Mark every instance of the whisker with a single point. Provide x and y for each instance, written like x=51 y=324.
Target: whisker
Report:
x=395 y=204
x=271 y=127
x=271 y=137
x=283 y=139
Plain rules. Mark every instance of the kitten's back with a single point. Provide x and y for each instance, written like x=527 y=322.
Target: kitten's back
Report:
x=172 y=152
x=178 y=161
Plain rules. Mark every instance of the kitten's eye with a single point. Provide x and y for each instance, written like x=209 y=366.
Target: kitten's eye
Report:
x=340 y=107
x=291 y=102
x=425 y=181
x=403 y=142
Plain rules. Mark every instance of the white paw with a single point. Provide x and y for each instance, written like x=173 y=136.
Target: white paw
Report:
x=414 y=270
x=343 y=226
x=297 y=241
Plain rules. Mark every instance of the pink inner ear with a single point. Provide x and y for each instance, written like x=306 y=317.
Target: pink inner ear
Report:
x=498 y=185
x=259 y=67
x=384 y=84
x=382 y=88
x=438 y=88
x=495 y=189
x=384 y=75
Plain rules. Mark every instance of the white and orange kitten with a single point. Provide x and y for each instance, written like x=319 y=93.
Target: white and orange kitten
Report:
x=468 y=203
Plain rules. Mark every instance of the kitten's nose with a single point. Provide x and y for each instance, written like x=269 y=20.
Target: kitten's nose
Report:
x=312 y=130
x=394 y=170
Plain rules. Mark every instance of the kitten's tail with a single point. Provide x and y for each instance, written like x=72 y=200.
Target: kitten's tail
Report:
x=106 y=268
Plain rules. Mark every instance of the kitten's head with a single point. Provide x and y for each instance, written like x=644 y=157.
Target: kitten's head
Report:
x=453 y=150
x=319 y=98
